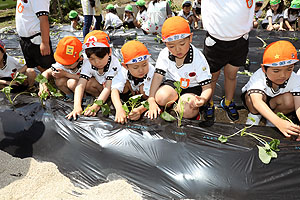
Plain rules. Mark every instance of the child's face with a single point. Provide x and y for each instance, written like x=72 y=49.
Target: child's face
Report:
x=138 y=70
x=275 y=7
x=179 y=48
x=99 y=62
x=127 y=13
x=258 y=6
x=1 y=55
x=186 y=9
x=279 y=75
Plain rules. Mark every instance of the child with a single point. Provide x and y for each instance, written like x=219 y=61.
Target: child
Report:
x=275 y=88
x=128 y=17
x=135 y=77
x=141 y=16
x=226 y=46
x=197 y=10
x=96 y=74
x=179 y=61
x=8 y=68
x=67 y=68
x=291 y=16
x=33 y=28
x=76 y=20
x=187 y=14
x=258 y=12
x=112 y=21
x=274 y=16
x=157 y=12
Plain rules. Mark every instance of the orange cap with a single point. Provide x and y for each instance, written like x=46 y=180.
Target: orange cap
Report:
x=134 y=52
x=68 y=50
x=96 y=39
x=280 y=53
x=175 y=28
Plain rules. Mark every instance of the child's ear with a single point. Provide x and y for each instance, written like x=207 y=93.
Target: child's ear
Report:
x=263 y=68
x=109 y=52
x=191 y=37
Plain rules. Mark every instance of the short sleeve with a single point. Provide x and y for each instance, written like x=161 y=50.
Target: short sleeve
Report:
x=269 y=13
x=86 y=69
x=119 y=81
x=285 y=14
x=162 y=61
x=40 y=7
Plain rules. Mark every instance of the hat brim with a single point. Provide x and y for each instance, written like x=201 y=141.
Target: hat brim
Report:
x=282 y=63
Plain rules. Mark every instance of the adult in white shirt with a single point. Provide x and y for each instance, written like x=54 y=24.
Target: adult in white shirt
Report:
x=226 y=45
x=91 y=8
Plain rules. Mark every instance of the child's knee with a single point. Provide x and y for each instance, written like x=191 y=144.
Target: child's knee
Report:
x=288 y=101
x=162 y=97
x=60 y=82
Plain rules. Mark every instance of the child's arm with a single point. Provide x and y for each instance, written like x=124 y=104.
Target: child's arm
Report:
x=120 y=116
x=286 y=22
x=79 y=91
x=42 y=86
x=45 y=33
x=281 y=25
x=92 y=111
x=284 y=126
x=136 y=113
x=153 y=107
x=4 y=82
x=297 y=109
x=60 y=73
x=270 y=26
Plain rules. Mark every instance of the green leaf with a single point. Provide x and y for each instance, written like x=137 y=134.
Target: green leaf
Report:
x=252 y=119
x=105 y=109
x=41 y=79
x=20 y=78
x=44 y=95
x=178 y=88
x=223 y=138
x=145 y=104
x=263 y=155
x=98 y=102
x=282 y=116
x=135 y=98
x=57 y=94
x=166 y=116
x=274 y=144
x=6 y=90
x=243 y=131
x=125 y=107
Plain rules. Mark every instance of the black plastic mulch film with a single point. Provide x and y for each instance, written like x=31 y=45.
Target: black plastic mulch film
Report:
x=161 y=160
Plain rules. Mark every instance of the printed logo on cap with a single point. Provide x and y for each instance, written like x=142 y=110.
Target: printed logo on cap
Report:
x=70 y=50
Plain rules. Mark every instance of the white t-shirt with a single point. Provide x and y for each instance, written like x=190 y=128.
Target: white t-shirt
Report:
x=142 y=17
x=76 y=71
x=27 y=21
x=157 y=14
x=259 y=82
x=194 y=72
x=88 y=71
x=196 y=4
x=227 y=20
x=89 y=10
x=181 y=14
x=80 y=22
x=122 y=77
x=258 y=14
x=290 y=18
x=275 y=18
x=12 y=66
x=112 y=20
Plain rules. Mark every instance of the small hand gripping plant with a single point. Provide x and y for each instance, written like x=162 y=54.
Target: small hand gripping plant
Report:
x=266 y=151
x=104 y=107
x=134 y=102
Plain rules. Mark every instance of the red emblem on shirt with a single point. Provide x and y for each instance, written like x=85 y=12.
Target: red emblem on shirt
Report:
x=184 y=83
x=249 y=3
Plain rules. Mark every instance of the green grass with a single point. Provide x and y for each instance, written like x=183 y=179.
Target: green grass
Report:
x=7 y=4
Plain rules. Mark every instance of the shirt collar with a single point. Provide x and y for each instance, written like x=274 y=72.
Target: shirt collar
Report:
x=106 y=67
x=188 y=58
x=136 y=80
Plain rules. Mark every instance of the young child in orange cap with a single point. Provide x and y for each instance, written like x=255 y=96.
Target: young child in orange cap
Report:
x=179 y=61
x=96 y=74
x=275 y=88
x=67 y=68
x=135 y=77
x=9 y=66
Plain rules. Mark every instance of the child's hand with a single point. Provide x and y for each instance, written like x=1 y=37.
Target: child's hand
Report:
x=92 y=111
x=197 y=101
x=76 y=112
x=291 y=29
x=120 y=116
x=43 y=88
x=288 y=129
x=153 y=111
x=134 y=114
x=270 y=28
x=59 y=73
x=281 y=29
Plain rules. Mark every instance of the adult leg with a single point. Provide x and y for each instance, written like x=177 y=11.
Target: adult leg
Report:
x=87 y=24
x=98 y=24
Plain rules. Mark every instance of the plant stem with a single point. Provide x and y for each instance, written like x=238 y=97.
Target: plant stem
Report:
x=257 y=138
x=19 y=95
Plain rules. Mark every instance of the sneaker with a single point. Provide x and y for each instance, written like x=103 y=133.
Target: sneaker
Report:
x=231 y=111
x=209 y=112
x=257 y=119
